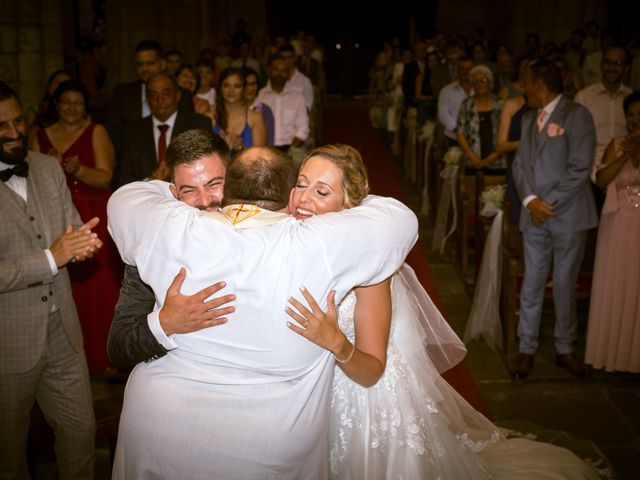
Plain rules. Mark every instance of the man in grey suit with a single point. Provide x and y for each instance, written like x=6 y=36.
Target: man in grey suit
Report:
x=196 y=163
x=41 y=354
x=551 y=173
x=141 y=153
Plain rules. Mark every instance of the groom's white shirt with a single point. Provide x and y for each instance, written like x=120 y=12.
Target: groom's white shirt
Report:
x=267 y=387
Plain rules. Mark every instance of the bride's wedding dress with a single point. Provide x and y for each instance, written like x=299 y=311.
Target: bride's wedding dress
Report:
x=412 y=424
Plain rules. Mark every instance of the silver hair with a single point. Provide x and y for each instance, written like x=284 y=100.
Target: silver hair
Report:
x=484 y=70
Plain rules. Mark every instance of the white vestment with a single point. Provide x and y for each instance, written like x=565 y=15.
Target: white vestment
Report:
x=248 y=399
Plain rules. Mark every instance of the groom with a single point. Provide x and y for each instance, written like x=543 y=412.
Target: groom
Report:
x=247 y=399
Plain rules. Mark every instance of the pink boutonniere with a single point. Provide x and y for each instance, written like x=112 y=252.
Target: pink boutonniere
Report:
x=554 y=130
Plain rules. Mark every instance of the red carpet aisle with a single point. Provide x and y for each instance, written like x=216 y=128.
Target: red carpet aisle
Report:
x=346 y=121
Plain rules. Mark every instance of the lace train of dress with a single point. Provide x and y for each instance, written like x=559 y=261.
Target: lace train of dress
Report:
x=412 y=424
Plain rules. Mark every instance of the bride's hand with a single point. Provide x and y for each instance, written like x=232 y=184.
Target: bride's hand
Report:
x=317 y=326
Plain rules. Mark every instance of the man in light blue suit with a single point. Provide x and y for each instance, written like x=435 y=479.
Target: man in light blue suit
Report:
x=551 y=172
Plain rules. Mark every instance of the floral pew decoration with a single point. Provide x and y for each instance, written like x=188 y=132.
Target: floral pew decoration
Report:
x=484 y=319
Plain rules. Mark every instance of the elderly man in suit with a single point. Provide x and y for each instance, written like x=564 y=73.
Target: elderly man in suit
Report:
x=41 y=355
x=551 y=173
x=146 y=140
x=246 y=399
x=129 y=101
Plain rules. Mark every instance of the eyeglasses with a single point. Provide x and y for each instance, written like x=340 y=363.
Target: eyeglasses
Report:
x=618 y=63
x=75 y=103
x=480 y=80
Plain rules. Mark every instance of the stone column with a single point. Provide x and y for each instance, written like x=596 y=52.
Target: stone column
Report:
x=30 y=46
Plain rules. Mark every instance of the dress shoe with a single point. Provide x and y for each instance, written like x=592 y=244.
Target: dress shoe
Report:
x=573 y=364
x=523 y=365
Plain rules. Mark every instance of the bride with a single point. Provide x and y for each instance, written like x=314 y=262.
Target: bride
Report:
x=392 y=415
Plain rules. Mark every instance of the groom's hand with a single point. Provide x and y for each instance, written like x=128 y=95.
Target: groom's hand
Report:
x=186 y=314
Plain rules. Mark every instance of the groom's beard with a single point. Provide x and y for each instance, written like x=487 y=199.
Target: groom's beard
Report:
x=212 y=207
x=16 y=154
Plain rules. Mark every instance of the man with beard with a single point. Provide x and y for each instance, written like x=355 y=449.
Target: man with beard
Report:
x=288 y=107
x=41 y=354
x=196 y=163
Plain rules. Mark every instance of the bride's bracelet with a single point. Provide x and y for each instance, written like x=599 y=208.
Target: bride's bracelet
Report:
x=353 y=350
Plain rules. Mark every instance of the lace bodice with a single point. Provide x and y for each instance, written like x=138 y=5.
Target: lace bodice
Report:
x=345 y=315
x=628 y=187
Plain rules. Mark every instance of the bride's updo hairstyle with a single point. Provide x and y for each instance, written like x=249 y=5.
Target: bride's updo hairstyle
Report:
x=355 y=181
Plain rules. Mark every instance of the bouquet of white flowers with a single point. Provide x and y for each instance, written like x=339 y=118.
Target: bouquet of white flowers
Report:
x=427 y=131
x=493 y=195
x=453 y=156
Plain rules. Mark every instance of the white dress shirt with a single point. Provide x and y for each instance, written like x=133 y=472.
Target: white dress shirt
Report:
x=299 y=81
x=145 y=104
x=289 y=112
x=608 y=116
x=248 y=399
x=449 y=101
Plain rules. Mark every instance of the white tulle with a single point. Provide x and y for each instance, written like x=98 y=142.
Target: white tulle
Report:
x=412 y=424
x=484 y=319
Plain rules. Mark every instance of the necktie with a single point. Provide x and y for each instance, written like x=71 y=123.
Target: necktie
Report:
x=541 y=114
x=162 y=143
x=21 y=170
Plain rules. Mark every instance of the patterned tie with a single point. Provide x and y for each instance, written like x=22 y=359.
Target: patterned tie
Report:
x=21 y=170
x=162 y=143
x=541 y=114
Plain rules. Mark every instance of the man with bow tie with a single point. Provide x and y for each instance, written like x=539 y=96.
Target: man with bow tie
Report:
x=551 y=172
x=41 y=354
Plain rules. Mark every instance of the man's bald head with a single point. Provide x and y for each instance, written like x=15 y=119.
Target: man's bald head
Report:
x=261 y=176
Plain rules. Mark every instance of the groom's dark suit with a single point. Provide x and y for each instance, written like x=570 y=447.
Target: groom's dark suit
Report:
x=130 y=338
x=554 y=166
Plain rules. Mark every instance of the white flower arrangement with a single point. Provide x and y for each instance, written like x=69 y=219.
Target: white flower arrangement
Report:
x=428 y=130
x=493 y=195
x=453 y=156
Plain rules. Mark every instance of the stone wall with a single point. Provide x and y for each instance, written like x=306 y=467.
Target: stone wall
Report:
x=508 y=21
x=188 y=25
x=30 y=45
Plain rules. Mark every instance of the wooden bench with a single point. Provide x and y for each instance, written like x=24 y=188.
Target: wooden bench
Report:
x=472 y=228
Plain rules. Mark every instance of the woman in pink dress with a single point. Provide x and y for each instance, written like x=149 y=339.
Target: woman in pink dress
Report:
x=87 y=157
x=613 y=336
